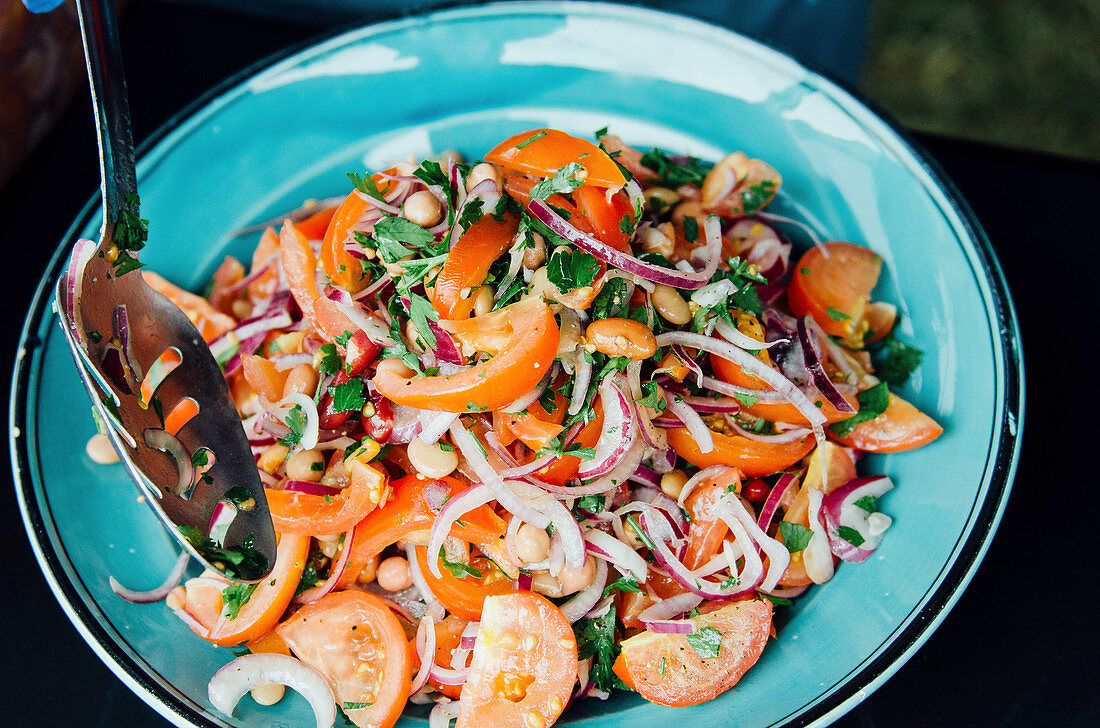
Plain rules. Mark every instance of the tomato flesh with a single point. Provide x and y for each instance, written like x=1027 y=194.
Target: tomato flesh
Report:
x=523 y=667
x=752 y=458
x=356 y=642
x=465 y=596
x=900 y=428
x=542 y=152
x=834 y=290
x=665 y=669
x=309 y=514
x=468 y=263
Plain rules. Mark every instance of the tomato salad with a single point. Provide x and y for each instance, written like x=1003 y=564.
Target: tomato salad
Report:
x=563 y=422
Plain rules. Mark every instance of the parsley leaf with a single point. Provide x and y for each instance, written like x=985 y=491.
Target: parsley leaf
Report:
x=471 y=213
x=868 y=503
x=571 y=270
x=596 y=638
x=707 y=642
x=899 y=361
x=590 y=503
x=531 y=139
x=421 y=311
x=611 y=300
x=130 y=234
x=356 y=706
x=564 y=181
x=234 y=597
x=626 y=583
x=652 y=397
x=458 y=570
x=366 y=185
x=837 y=314
x=296 y=422
x=348 y=397
x=850 y=535
x=392 y=234
x=691 y=229
x=757 y=195
x=674 y=174
x=872 y=403
x=796 y=537
x=330 y=360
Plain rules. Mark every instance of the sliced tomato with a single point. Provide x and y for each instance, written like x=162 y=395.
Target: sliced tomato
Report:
x=490 y=385
x=523 y=667
x=542 y=152
x=356 y=642
x=706 y=532
x=627 y=156
x=265 y=284
x=309 y=514
x=210 y=322
x=535 y=427
x=727 y=371
x=468 y=263
x=465 y=596
x=751 y=457
x=900 y=428
x=264 y=378
x=607 y=217
x=266 y=604
x=448 y=635
x=228 y=273
x=408 y=512
x=834 y=290
x=565 y=468
x=314 y=226
x=665 y=668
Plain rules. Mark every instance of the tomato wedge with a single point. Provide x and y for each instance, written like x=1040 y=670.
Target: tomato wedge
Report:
x=408 y=512
x=262 y=375
x=835 y=290
x=607 y=215
x=308 y=514
x=542 y=152
x=665 y=668
x=465 y=596
x=490 y=385
x=356 y=642
x=900 y=428
x=468 y=263
x=314 y=226
x=565 y=468
x=706 y=533
x=523 y=667
x=751 y=457
x=265 y=605
x=448 y=635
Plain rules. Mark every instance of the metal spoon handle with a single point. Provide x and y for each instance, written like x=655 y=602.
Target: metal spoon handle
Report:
x=99 y=29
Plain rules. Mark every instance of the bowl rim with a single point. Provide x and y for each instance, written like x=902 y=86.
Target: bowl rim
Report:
x=854 y=688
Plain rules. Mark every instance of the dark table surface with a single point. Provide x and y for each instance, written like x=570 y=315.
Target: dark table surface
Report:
x=1017 y=650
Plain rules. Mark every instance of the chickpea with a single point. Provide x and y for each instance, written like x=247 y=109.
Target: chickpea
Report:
x=241 y=309
x=273 y=457
x=660 y=199
x=308 y=465
x=449 y=156
x=545 y=584
x=301 y=380
x=100 y=450
x=653 y=240
x=573 y=580
x=268 y=693
x=431 y=461
x=393 y=574
x=422 y=208
x=532 y=544
x=394 y=365
x=366 y=576
x=482 y=172
x=672 y=482
x=632 y=539
x=622 y=337
x=535 y=255
x=484 y=300
x=541 y=285
x=670 y=305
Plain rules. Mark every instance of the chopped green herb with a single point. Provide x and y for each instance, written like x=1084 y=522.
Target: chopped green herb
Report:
x=707 y=642
x=868 y=503
x=234 y=597
x=342 y=339
x=366 y=185
x=850 y=535
x=347 y=397
x=691 y=229
x=458 y=570
x=471 y=213
x=596 y=639
x=626 y=583
x=872 y=403
x=837 y=315
x=757 y=195
x=531 y=139
x=356 y=706
x=564 y=181
x=673 y=174
x=296 y=423
x=330 y=360
x=572 y=270
x=796 y=537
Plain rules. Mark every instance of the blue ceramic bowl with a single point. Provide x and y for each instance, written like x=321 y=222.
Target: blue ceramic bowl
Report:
x=465 y=79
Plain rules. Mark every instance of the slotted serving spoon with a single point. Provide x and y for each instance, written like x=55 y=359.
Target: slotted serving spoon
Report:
x=145 y=365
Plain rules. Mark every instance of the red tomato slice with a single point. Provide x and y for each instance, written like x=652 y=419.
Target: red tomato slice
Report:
x=565 y=468
x=308 y=514
x=665 y=668
x=900 y=428
x=520 y=364
x=262 y=375
x=523 y=667
x=356 y=642
x=542 y=152
x=468 y=263
x=606 y=217
x=706 y=533
x=834 y=290
x=406 y=513
x=465 y=596
x=210 y=322
x=751 y=457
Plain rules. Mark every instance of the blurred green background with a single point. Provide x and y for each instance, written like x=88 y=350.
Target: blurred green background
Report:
x=1023 y=73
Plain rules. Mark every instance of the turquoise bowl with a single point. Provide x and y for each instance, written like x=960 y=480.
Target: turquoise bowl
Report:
x=465 y=79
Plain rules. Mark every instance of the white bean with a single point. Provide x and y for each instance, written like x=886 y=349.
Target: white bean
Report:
x=431 y=461
x=100 y=450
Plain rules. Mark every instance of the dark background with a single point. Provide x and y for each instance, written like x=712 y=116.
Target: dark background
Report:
x=1017 y=650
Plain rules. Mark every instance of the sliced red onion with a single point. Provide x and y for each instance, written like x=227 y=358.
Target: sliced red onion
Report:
x=374 y=288
x=434 y=607
x=601 y=608
x=453 y=510
x=841 y=510
x=488 y=192
x=566 y=528
x=791 y=435
x=659 y=499
x=698 y=478
x=814 y=236
x=472 y=451
x=586 y=598
x=312 y=428
x=711 y=252
x=425 y=648
x=618 y=553
x=378 y=203
x=660 y=534
x=447 y=676
x=786 y=592
x=153 y=595
x=289 y=361
x=305 y=486
x=731 y=509
x=336 y=443
x=771 y=504
x=723 y=405
x=253 y=276
x=732 y=334
x=442 y=714
x=230 y=683
x=821 y=379
x=619 y=431
x=671 y=626
x=166 y=443
x=375 y=330
x=83 y=250
x=817 y=555
x=670 y=608
x=582 y=377
x=338 y=295
x=663 y=461
x=691 y=419
x=445 y=346
x=523 y=581
x=764 y=396
x=250 y=328
x=336 y=571
x=406 y=423
x=753 y=366
x=434 y=424
x=646 y=476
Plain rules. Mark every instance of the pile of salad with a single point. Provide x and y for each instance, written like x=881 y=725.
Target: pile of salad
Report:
x=564 y=422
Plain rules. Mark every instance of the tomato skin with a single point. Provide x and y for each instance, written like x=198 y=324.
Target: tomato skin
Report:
x=752 y=458
x=379 y=426
x=263 y=377
x=706 y=533
x=308 y=514
x=565 y=468
x=900 y=428
x=408 y=512
x=360 y=353
x=542 y=152
x=468 y=263
x=343 y=268
x=834 y=290
x=520 y=364
x=689 y=679
x=464 y=597
x=512 y=676
x=339 y=635
x=606 y=216
x=300 y=266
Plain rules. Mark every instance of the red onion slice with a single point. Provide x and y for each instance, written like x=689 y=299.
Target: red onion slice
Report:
x=153 y=595
x=472 y=450
x=660 y=533
x=618 y=553
x=729 y=508
x=763 y=396
x=818 y=556
x=312 y=428
x=425 y=648
x=841 y=510
x=434 y=607
x=771 y=504
x=453 y=510
x=669 y=608
x=711 y=252
x=821 y=380
x=230 y=683
x=306 y=486
x=434 y=424
x=619 y=431
x=730 y=333
x=698 y=429
x=791 y=435
x=698 y=478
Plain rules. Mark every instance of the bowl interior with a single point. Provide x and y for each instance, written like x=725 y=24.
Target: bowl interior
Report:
x=464 y=80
